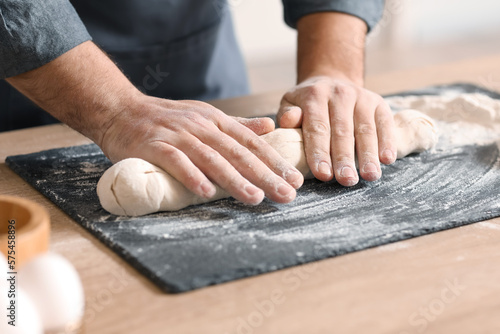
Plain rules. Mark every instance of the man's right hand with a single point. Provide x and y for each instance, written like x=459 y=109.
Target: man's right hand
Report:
x=200 y=145
x=194 y=142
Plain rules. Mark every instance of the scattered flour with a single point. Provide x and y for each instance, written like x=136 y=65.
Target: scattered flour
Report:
x=463 y=119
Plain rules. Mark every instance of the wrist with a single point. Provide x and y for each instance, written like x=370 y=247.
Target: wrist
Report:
x=121 y=103
x=331 y=44
x=331 y=74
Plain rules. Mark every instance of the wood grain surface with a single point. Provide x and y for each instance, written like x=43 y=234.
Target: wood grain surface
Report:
x=445 y=282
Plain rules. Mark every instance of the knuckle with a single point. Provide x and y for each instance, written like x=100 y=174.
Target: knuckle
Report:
x=254 y=143
x=171 y=154
x=198 y=119
x=237 y=152
x=368 y=156
x=385 y=125
x=199 y=106
x=344 y=92
x=365 y=129
x=315 y=91
x=341 y=130
x=384 y=114
x=233 y=182
x=320 y=153
x=215 y=113
x=317 y=128
x=166 y=152
x=205 y=115
x=281 y=169
x=342 y=159
x=192 y=180
x=385 y=117
x=375 y=98
x=209 y=156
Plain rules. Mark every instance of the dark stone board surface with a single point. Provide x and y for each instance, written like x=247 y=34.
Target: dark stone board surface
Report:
x=226 y=240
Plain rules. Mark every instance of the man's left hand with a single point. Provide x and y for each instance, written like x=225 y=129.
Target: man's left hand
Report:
x=340 y=120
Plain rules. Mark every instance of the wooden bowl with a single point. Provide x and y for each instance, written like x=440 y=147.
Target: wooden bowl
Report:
x=32 y=229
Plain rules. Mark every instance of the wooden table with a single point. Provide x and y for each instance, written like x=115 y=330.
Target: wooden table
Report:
x=446 y=282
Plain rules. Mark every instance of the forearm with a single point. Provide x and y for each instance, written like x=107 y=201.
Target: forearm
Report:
x=192 y=141
x=82 y=88
x=331 y=44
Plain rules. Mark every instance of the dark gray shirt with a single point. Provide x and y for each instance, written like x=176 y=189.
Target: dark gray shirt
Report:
x=178 y=49
x=34 y=32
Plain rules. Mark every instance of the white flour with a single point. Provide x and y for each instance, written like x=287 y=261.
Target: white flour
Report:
x=463 y=119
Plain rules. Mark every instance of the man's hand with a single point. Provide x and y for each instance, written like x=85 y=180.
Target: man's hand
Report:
x=199 y=144
x=334 y=115
x=196 y=143
x=340 y=119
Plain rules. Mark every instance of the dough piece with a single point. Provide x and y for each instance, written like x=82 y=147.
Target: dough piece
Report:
x=415 y=132
x=134 y=187
x=290 y=145
x=471 y=107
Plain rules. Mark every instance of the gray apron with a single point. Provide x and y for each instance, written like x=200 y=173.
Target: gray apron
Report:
x=175 y=49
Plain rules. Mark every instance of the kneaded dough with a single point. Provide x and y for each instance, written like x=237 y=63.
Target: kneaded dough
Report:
x=134 y=187
x=415 y=132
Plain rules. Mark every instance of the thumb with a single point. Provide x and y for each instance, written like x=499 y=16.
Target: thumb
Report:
x=289 y=115
x=260 y=125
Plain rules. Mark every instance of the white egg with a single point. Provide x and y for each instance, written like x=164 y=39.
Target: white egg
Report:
x=27 y=319
x=55 y=287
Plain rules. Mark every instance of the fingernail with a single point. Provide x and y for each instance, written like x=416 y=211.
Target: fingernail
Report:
x=370 y=168
x=347 y=172
x=388 y=155
x=207 y=189
x=251 y=189
x=284 y=190
x=325 y=169
x=294 y=178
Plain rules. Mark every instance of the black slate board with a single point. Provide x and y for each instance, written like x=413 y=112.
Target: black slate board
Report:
x=226 y=240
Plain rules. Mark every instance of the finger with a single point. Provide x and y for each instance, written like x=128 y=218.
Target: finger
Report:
x=252 y=168
x=316 y=132
x=386 y=133
x=178 y=165
x=365 y=133
x=342 y=123
x=289 y=115
x=265 y=153
x=220 y=171
x=260 y=125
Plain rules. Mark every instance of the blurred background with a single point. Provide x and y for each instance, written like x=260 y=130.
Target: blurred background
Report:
x=413 y=33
